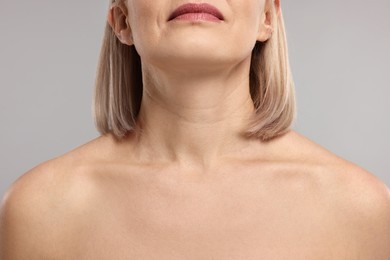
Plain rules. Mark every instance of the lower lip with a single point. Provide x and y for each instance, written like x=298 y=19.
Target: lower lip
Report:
x=197 y=17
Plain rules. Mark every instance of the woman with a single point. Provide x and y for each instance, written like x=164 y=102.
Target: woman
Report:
x=196 y=159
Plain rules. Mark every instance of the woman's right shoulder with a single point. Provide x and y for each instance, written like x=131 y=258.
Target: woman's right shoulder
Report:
x=42 y=205
x=58 y=176
x=55 y=175
x=65 y=176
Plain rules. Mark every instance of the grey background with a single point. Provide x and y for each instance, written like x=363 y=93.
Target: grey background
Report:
x=339 y=53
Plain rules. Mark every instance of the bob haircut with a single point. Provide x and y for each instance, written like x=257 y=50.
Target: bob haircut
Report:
x=119 y=87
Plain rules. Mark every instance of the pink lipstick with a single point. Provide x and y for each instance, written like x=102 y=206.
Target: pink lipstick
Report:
x=192 y=11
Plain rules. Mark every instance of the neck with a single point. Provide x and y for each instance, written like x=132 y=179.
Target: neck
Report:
x=194 y=119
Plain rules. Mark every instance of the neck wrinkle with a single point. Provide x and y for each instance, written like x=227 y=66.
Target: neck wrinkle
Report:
x=195 y=123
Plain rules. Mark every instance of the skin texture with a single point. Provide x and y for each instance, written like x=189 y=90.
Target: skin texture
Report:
x=190 y=187
x=297 y=202
x=204 y=98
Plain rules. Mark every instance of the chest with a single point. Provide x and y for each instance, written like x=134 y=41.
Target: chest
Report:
x=215 y=224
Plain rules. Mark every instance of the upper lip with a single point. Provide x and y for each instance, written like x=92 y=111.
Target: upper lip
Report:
x=196 y=8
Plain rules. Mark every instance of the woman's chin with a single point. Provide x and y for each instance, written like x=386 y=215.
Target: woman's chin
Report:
x=200 y=58
x=195 y=62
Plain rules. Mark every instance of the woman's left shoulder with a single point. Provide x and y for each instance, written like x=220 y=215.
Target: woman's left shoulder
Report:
x=357 y=195
x=363 y=201
x=355 y=192
x=341 y=172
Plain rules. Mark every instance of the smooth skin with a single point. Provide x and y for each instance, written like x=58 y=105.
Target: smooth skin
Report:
x=190 y=187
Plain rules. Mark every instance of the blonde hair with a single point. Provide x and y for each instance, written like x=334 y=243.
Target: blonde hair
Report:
x=118 y=86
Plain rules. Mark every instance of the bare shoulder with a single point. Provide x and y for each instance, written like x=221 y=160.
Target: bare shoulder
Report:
x=43 y=208
x=354 y=182
x=361 y=200
x=362 y=206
